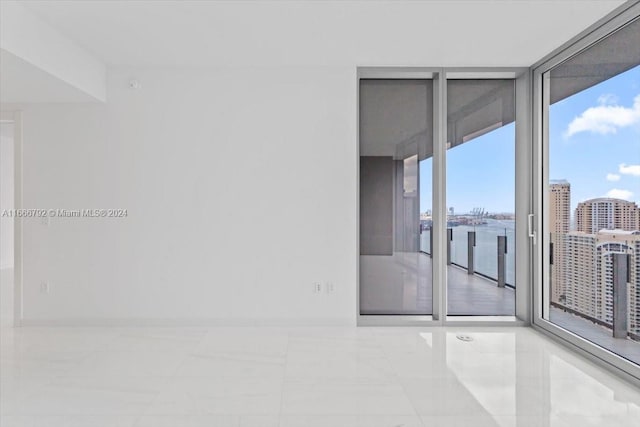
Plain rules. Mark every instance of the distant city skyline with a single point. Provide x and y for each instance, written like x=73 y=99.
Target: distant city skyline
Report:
x=581 y=273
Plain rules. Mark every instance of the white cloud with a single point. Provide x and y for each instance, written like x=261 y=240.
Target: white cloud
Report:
x=613 y=177
x=608 y=99
x=606 y=118
x=617 y=193
x=629 y=169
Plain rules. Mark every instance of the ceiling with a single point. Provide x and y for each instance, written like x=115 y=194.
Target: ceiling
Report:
x=300 y=33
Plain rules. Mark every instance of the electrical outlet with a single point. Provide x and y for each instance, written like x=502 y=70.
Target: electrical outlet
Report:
x=330 y=287
x=317 y=287
x=45 y=288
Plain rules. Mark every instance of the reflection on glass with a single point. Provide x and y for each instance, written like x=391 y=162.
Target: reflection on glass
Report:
x=594 y=191
x=481 y=197
x=395 y=140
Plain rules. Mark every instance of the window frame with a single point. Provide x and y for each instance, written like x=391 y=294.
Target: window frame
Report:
x=540 y=161
x=440 y=75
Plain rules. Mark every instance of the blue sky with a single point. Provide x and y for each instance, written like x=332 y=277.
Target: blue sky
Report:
x=594 y=140
x=594 y=144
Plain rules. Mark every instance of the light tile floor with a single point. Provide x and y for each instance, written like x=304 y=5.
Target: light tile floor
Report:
x=302 y=377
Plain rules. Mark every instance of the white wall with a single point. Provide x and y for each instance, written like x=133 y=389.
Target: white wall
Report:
x=24 y=82
x=240 y=186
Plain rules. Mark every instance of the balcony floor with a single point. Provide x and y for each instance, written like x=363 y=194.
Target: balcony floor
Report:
x=597 y=334
x=401 y=284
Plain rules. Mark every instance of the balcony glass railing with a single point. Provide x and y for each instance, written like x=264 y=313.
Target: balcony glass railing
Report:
x=485 y=254
x=425 y=241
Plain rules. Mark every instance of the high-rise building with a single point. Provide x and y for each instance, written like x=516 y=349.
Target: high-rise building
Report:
x=582 y=270
x=559 y=206
x=578 y=276
x=559 y=221
x=607 y=214
x=587 y=274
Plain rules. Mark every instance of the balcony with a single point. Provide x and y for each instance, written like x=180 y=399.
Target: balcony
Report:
x=595 y=333
x=400 y=284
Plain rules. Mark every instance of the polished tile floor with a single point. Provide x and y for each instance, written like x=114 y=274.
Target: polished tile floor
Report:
x=297 y=377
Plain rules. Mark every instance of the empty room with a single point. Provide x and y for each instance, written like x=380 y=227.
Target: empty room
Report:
x=319 y=213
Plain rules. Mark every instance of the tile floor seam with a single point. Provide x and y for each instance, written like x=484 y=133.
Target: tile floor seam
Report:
x=284 y=377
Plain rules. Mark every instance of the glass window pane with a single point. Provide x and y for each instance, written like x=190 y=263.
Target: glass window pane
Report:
x=594 y=192
x=481 y=197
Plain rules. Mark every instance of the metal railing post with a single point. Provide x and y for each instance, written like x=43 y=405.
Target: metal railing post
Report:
x=449 y=239
x=431 y=242
x=471 y=243
x=502 y=250
x=620 y=303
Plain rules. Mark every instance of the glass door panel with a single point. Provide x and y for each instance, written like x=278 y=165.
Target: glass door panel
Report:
x=481 y=197
x=396 y=133
x=592 y=239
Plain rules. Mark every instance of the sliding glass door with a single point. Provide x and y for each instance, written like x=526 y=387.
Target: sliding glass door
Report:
x=589 y=181
x=481 y=197
x=437 y=233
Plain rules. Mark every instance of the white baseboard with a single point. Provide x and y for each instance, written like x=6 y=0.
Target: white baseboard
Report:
x=209 y=322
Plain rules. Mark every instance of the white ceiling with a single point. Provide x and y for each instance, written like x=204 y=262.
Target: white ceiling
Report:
x=227 y=33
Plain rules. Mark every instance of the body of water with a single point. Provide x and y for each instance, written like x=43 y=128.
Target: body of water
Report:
x=486 y=251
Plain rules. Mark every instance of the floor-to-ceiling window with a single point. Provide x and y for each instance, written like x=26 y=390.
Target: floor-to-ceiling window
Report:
x=437 y=226
x=590 y=190
x=460 y=206
x=480 y=197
